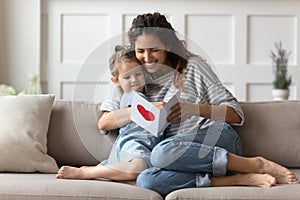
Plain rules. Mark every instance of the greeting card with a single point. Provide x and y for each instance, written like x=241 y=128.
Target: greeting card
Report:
x=150 y=117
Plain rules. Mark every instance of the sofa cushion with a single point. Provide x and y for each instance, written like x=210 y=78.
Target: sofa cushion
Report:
x=24 y=122
x=284 y=191
x=46 y=186
x=272 y=130
x=74 y=137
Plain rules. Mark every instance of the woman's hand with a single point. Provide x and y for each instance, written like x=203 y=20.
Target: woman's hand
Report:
x=159 y=104
x=183 y=110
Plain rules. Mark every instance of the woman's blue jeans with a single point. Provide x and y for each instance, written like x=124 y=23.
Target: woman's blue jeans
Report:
x=188 y=160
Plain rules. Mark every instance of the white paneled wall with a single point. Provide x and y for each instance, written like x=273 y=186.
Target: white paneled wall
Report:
x=79 y=36
x=19 y=41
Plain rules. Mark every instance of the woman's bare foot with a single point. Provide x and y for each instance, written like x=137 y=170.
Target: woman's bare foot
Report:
x=282 y=174
x=261 y=165
x=67 y=172
x=250 y=179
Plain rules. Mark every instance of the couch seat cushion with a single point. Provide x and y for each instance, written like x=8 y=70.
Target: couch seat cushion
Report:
x=285 y=191
x=34 y=186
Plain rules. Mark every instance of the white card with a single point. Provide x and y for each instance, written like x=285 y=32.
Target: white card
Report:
x=149 y=116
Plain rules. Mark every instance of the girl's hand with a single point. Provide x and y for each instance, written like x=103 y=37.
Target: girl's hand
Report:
x=183 y=110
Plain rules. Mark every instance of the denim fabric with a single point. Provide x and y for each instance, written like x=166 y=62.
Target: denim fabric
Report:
x=188 y=160
x=133 y=141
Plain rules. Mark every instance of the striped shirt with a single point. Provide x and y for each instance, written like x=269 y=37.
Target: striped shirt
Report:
x=201 y=85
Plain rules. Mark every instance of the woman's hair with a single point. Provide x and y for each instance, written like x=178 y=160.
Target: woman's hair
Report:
x=121 y=54
x=157 y=24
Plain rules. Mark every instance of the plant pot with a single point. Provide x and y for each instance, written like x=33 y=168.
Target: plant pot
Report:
x=280 y=94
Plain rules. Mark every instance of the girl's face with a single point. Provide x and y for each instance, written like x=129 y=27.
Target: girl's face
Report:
x=151 y=52
x=131 y=77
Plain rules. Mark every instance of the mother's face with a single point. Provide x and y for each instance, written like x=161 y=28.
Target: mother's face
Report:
x=151 y=52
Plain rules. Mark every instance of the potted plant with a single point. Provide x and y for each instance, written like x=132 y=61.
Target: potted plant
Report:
x=282 y=81
x=34 y=87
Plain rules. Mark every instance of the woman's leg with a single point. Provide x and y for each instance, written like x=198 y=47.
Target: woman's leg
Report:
x=164 y=181
x=189 y=153
x=262 y=166
x=204 y=151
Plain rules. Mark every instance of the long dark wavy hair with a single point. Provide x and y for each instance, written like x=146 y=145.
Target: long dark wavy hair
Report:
x=157 y=25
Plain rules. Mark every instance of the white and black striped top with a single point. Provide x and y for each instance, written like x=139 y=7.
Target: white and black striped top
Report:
x=201 y=85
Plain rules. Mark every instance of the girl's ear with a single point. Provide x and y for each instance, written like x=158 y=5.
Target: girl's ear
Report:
x=114 y=80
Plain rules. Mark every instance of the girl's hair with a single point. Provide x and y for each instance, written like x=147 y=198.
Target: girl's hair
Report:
x=157 y=24
x=121 y=54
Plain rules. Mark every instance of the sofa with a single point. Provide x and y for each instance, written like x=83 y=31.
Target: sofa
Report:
x=271 y=129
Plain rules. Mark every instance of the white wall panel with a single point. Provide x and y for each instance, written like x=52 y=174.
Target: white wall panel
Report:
x=78 y=37
x=215 y=33
x=264 y=30
x=81 y=34
x=259 y=92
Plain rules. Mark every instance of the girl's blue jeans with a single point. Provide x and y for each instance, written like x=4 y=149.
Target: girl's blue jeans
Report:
x=189 y=160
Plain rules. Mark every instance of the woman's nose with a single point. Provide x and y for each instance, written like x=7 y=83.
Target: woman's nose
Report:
x=147 y=56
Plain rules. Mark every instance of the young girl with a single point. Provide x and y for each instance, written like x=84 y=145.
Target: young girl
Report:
x=131 y=151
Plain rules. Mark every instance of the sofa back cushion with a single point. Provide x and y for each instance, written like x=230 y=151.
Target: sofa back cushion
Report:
x=73 y=136
x=272 y=130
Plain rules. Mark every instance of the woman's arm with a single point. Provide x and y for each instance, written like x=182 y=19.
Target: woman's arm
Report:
x=220 y=113
x=114 y=119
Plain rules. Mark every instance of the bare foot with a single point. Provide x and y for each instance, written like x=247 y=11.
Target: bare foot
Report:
x=67 y=172
x=282 y=174
x=258 y=180
x=250 y=179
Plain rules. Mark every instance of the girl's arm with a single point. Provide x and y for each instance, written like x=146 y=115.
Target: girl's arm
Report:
x=114 y=119
x=118 y=118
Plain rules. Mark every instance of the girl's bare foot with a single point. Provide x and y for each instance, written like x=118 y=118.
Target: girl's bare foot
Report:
x=67 y=172
x=282 y=174
x=250 y=179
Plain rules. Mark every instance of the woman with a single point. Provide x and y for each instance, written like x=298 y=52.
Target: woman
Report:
x=201 y=147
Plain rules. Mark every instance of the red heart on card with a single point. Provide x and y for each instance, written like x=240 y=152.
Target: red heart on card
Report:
x=149 y=116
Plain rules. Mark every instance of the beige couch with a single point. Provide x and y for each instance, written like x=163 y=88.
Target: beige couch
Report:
x=272 y=130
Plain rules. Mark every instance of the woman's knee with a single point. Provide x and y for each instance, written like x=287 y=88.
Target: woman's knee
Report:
x=161 y=153
x=147 y=179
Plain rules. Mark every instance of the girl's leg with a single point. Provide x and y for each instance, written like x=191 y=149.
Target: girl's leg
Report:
x=116 y=171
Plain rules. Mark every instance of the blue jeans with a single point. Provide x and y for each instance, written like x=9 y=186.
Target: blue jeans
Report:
x=188 y=160
x=133 y=141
